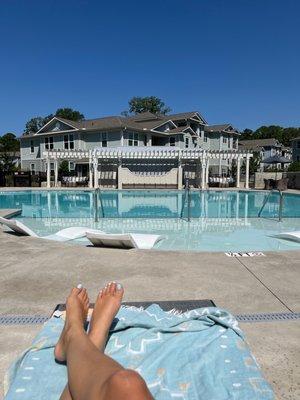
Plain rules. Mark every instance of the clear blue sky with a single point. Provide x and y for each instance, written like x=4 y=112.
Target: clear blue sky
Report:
x=235 y=61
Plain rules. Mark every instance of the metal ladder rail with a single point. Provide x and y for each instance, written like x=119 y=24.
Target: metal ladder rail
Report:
x=264 y=203
x=280 y=204
x=97 y=197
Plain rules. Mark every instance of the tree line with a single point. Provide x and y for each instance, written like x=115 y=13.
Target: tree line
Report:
x=283 y=135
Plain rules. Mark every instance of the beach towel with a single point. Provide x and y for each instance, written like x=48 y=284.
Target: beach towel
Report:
x=199 y=354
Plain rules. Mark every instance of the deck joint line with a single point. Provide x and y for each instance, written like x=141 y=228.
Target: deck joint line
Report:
x=259 y=280
x=248 y=318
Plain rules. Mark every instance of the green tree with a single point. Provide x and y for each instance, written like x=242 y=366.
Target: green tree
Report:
x=254 y=164
x=283 y=135
x=36 y=123
x=247 y=134
x=7 y=163
x=9 y=142
x=294 y=166
x=152 y=104
x=69 y=113
x=64 y=168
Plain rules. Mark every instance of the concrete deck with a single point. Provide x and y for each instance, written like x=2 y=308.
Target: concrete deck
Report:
x=37 y=274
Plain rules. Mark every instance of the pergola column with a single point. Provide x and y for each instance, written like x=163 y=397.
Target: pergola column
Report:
x=247 y=171
x=119 y=173
x=48 y=168
x=207 y=171
x=238 y=172
x=55 y=173
x=90 y=174
x=96 y=177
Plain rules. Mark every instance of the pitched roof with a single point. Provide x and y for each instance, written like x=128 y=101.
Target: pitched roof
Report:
x=259 y=143
x=146 y=121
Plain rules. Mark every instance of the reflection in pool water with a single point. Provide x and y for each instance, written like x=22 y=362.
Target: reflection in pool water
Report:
x=221 y=220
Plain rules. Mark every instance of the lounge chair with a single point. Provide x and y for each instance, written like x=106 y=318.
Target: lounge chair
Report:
x=62 y=236
x=294 y=236
x=124 y=240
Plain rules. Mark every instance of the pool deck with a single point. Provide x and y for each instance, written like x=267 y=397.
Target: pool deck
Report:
x=37 y=274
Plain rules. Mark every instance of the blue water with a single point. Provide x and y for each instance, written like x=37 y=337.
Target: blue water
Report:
x=220 y=220
x=149 y=204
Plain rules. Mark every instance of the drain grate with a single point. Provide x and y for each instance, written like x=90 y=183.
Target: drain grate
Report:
x=249 y=318
x=22 y=320
x=268 y=317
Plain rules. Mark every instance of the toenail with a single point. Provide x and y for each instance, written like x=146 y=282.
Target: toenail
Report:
x=79 y=286
x=119 y=286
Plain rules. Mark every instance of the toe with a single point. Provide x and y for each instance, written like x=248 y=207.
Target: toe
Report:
x=112 y=288
x=106 y=289
x=75 y=291
x=119 y=290
x=82 y=295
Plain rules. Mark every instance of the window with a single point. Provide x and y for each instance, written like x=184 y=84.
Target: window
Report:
x=49 y=143
x=69 y=142
x=103 y=139
x=172 y=141
x=133 y=139
x=187 y=142
x=71 y=166
x=298 y=145
x=31 y=146
x=298 y=158
x=224 y=139
x=32 y=168
x=205 y=137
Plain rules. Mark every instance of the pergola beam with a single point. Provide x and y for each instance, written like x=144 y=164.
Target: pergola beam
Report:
x=92 y=157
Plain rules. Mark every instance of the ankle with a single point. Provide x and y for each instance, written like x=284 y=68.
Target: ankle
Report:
x=73 y=331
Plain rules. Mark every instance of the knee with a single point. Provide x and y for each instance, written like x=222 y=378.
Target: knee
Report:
x=128 y=380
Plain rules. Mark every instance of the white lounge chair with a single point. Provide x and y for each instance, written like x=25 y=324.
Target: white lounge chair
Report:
x=62 y=236
x=124 y=240
x=294 y=236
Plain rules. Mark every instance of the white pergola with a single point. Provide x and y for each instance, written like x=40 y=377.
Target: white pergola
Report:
x=117 y=154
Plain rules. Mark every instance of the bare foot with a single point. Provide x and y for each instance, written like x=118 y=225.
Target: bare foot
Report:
x=106 y=307
x=77 y=306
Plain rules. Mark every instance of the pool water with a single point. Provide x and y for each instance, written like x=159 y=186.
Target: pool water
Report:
x=220 y=220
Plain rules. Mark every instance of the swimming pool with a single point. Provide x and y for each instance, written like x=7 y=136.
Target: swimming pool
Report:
x=220 y=220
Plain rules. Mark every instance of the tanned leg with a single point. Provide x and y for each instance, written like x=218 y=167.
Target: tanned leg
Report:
x=92 y=374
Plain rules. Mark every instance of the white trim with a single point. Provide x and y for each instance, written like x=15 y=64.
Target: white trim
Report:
x=164 y=123
x=200 y=118
x=60 y=120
